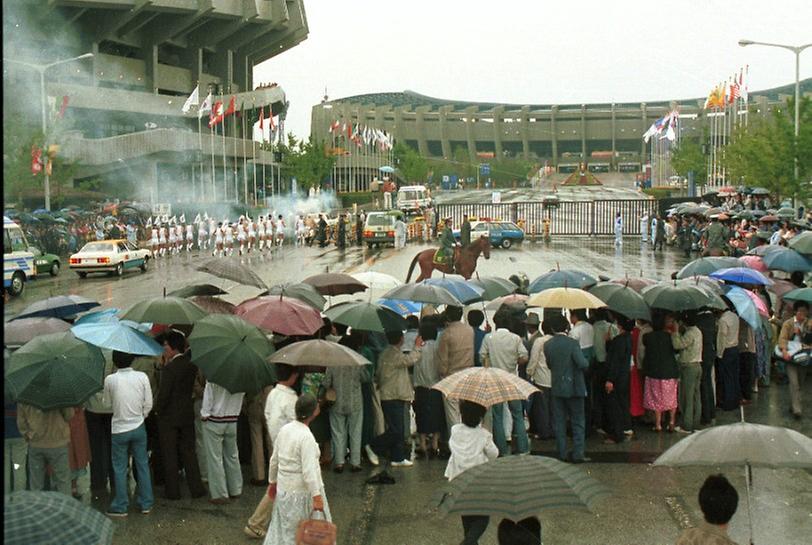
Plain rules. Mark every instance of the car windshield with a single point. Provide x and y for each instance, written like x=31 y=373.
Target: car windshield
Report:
x=98 y=247
x=410 y=195
x=379 y=219
x=480 y=227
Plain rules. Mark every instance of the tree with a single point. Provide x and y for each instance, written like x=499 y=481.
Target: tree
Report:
x=688 y=157
x=308 y=162
x=412 y=166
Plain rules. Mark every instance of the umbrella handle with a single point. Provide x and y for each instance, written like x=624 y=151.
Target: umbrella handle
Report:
x=748 y=481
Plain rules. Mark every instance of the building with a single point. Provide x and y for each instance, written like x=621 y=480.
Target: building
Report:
x=122 y=119
x=606 y=136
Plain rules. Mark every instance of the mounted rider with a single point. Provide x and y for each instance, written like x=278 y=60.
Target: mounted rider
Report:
x=446 y=255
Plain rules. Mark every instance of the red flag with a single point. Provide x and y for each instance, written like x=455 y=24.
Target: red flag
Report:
x=232 y=107
x=64 y=107
x=262 y=118
x=36 y=160
x=216 y=115
x=349 y=130
x=734 y=92
x=271 y=123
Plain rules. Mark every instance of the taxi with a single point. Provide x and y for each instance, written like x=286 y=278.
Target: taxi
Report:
x=109 y=256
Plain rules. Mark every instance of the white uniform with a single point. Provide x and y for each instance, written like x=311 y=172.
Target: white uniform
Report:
x=162 y=235
x=153 y=240
x=241 y=232
x=172 y=237
x=201 y=235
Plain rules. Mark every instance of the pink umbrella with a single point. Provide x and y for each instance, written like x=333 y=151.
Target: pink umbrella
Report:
x=283 y=315
x=754 y=262
x=761 y=306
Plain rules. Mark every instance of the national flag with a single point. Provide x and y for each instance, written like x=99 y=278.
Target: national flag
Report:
x=261 y=131
x=334 y=126
x=205 y=106
x=193 y=100
x=36 y=160
x=63 y=107
x=232 y=106
x=349 y=130
x=216 y=115
x=734 y=92
x=271 y=121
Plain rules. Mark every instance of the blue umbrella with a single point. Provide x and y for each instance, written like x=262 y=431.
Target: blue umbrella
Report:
x=387 y=169
x=105 y=315
x=118 y=335
x=745 y=307
x=401 y=306
x=465 y=292
x=787 y=260
x=562 y=279
x=741 y=275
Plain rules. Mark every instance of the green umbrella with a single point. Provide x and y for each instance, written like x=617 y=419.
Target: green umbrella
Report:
x=677 y=298
x=622 y=300
x=231 y=353
x=366 y=317
x=802 y=243
x=164 y=310
x=55 y=371
x=786 y=213
x=196 y=289
x=301 y=291
x=494 y=287
x=706 y=265
x=501 y=488
x=51 y=517
x=800 y=294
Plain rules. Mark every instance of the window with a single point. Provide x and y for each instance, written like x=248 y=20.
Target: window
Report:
x=15 y=239
x=122 y=247
x=379 y=219
x=98 y=247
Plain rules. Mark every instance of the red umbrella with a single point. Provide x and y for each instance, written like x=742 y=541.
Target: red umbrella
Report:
x=754 y=262
x=283 y=315
x=335 y=283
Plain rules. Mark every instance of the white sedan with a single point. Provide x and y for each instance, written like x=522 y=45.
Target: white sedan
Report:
x=110 y=256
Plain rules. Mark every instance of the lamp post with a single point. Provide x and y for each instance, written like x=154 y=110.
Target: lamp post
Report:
x=41 y=68
x=797 y=50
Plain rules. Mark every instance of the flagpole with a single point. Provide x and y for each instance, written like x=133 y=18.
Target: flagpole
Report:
x=254 y=151
x=244 y=157
x=213 y=173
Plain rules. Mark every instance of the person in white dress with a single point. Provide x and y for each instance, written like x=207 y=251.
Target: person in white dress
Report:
x=260 y=232
x=218 y=240
x=653 y=237
x=280 y=231
x=202 y=237
x=644 y=228
x=294 y=475
x=400 y=234
x=214 y=227
x=301 y=230
x=153 y=242
x=241 y=235
x=252 y=234
x=179 y=229
x=190 y=238
x=470 y=445
x=228 y=239
x=161 y=240
x=618 y=230
x=172 y=240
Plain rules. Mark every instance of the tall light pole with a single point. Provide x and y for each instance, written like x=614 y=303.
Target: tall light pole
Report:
x=41 y=68
x=797 y=50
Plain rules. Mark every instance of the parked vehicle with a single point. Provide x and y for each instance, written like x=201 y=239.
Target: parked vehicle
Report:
x=380 y=228
x=500 y=233
x=110 y=256
x=45 y=263
x=18 y=261
x=412 y=198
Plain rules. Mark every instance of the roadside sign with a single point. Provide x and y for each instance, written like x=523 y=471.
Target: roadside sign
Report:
x=161 y=209
x=484 y=169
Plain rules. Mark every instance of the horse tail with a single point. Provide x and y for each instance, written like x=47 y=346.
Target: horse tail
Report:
x=411 y=267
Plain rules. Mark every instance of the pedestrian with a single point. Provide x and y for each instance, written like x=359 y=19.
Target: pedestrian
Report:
x=455 y=351
x=540 y=412
x=728 y=383
x=176 y=420
x=567 y=366
x=200 y=447
x=78 y=450
x=242 y=235
x=98 y=420
x=475 y=319
x=793 y=335
x=471 y=445
x=428 y=402
x=360 y=220
x=258 y=429
x=47 y=434
x=129 y=394
x=346 y=414
x=190 y=238
x=661 y=372
x=659 y=233
x=706 y=322
x=280 y=231
x=644 y=228
x=252 y=235
x=616 y=386
x=747 y=361
x=505 y=350
x=602 y=332
x=219 y=411
x=202 y=236
x=400 y=233
x=618 y=230
x=465 y=232
x=718 y=501
x=341 y=236
x=295 y=476
x=687 y=338
x=132 y=234
x=321 y=233
x=583 y=332
x=261 y=236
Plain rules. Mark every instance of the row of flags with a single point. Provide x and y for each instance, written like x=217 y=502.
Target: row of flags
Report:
x=665 y=127
x=42 y=157
x=262 y=129
x=727 y=93
x=361 y=135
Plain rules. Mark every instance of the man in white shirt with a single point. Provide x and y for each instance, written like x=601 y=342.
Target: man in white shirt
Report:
x=540 y=411
x=583 y=332
x=219 y=412
x=505 y=350
x=280 y=409
x=727 y=371
x=129 y=394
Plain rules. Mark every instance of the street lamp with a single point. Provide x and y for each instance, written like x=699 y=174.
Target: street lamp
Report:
x=797 y=50
x=41 y=68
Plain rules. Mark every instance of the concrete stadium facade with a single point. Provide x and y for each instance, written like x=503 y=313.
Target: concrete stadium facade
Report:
x=124 y=104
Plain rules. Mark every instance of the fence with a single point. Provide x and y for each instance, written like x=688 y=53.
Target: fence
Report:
x=566 y=217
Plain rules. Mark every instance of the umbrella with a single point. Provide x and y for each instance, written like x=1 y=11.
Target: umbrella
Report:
x=741 y=275
x=197 y=289
x=387 y=169
x=786 y=213
x=799 y=294
x=96 y=316
x=164 y=310
x=231 y=353
x=213 y=305
x=763 y=250
x=494 y=287
x=60 y=306
x=485 y=385
x=52 y=518
x=301 y=291
x=744 y=305
x=706 y=283
x=769 y=218
x=561 y=279
x=754 y=262
x=759 y=191
x=318 y=353
x=19 y=332
x=676 y=298
x=280 y=314
x=377 y=281
x=517 y=301
x=231 y=270
x=366 y=316
x=637 y=284
x=335 y=283
x=501 y=488
x=462 y=290
x=401 y=306
x=55 y=371
x=802 y=243
x=565 y=298
x=622 y=300
x=117 y=335
x=706 y=265
x=787 y=260
x=423 y=293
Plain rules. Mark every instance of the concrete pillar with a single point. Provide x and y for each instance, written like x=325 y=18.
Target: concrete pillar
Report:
x=525 y=128
x=583 y=133
x=469 y=132
x=498 y=115
x=444 y=131
x=94 y=70
x=554 y=131
x=151 y=64
x=420 y=128
x=643 y=129
x=613 y=161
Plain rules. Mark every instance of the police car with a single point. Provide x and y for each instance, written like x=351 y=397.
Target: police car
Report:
x=109 y=256
x=500 y=233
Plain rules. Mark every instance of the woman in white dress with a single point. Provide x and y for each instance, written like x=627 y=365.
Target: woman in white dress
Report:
x=295 y=475
x=280 y=230
x=228 y=237
x=252 y=234
x=269 y=232
x=261 y=232
x=214 y=228
x=618 y=230
x=301 y=231
x=153 y=242
x=172 y=240
x=202 y=236
x=161 y=240
x=178 y=238
x=241 y=235
x=218 y=240
x=190 y=238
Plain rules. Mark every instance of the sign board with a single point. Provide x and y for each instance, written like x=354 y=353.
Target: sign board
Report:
x=485 y=169
x=496 y=197
x=161 y=209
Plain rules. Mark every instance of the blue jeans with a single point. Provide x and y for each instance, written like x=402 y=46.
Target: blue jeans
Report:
x=517 y=414
x=134 y=441
x=574 y=408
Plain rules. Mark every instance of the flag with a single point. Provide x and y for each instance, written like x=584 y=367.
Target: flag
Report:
x=349 y=130
x=205 y=216
x=232 y=107
x=183 y=218
x=62 y=108
x=734 y=92
x=216 y=115
x=193 y=100
x=743 y=85
x=270 y=121
x=49 y=166
x=149 y=223
x=261 y=130
x=205 y=107
x=334 y=126
x=36 y=160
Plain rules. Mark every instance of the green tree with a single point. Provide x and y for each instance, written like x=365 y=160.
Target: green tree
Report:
x=688 y=157
x=308 y=162
x=412 y=166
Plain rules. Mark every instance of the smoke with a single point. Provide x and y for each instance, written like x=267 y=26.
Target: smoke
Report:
x=292 y=204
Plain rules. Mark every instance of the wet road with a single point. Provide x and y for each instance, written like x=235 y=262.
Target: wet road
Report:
x=649 y=505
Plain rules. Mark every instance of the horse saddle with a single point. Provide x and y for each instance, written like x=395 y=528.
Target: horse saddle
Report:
x=441 y=257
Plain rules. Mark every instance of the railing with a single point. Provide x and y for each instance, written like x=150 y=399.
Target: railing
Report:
x=566 y=217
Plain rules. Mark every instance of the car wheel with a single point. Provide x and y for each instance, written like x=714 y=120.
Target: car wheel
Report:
x=144 y=266
x=119 y=269
x=506 y=243
x=17 y=284
x=54 y=268
x=82 y=274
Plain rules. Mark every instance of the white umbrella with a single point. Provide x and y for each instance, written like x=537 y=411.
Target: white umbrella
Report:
x=376 y=280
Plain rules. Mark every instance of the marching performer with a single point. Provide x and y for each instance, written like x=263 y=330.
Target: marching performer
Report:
x=202 y=236
x=179 y=236
x=214 y=227
x=228 y=238
x=161 y=239
x=280 y=231
x=153 y=241
x=261 y=231
x=241 y=234
x=300 y=231
x=218 y=240
x=252 y=234
x=269 y=232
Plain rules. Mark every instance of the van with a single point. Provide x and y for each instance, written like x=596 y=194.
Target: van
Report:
x=18 y=261
x=380 y=228
x=413 y=198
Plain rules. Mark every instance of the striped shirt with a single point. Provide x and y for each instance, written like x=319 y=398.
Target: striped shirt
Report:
x=220 y=405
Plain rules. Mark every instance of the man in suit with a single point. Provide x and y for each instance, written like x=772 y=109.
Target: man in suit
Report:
x=567 y=365
x=176 y=420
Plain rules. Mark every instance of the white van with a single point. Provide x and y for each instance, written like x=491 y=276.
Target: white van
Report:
x=18 y=262
x=412 y=198
x=380 y=228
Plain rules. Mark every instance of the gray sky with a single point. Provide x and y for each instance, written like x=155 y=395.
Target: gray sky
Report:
x=534 y=52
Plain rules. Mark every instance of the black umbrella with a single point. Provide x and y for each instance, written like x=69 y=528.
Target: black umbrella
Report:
x=196 y=289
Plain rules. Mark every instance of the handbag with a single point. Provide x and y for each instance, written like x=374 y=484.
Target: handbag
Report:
x=316 y=532
x=330 y=395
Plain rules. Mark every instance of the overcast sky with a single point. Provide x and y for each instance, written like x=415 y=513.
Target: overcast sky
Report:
x=534 y=52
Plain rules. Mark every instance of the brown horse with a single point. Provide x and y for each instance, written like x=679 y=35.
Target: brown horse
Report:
x=465 y=260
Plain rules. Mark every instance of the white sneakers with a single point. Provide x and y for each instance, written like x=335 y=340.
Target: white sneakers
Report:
x=404 y=463
x=373 y=458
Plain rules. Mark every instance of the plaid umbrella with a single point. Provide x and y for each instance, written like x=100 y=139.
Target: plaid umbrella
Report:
x=565 y=298
x=164 y=310
x=36 y=517
x=485 y=385
x=60 y=306
x=19 y=332
x=232 y=270
x=335 y=283
x=503 y=488
x=318 y=353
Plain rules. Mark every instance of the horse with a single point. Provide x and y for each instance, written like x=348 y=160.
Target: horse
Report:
x=465 y=261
